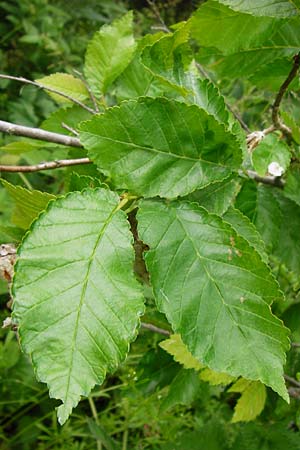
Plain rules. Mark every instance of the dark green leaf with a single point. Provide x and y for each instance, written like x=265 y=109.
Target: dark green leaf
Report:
x=160 y=147
x=215 y=291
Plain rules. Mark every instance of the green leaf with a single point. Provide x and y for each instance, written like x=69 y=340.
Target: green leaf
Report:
x=215 y=378
x=292 y=184
x=212 y=16
x=78 y=182
x=75 y=295
x=217 y=197
x=288 y=244
x=252 y=401
x=220 y=306
x=67 y=84
x=208 y=97
x=109 y=53
x=247 y=230
x=19 y=147
x=167 y=58
x=27 y=204
x=69 y=116
x=175 y=347
x=160 y=147
x=156 y=370
x=183 y=390
x=136 y=81
x=273 y=8
x=271 y=75
x=101 y=435
x=271 y=149
x=292 y=124
x=237 y=54
x=258 y=203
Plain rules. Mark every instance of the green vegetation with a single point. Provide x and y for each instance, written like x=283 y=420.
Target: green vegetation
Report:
x=150 y=195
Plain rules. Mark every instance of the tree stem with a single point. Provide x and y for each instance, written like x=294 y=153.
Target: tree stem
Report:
x=38 y=133
x=279 y=125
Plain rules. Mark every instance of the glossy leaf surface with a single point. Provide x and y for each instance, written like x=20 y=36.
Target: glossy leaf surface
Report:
x=215 y=291
x=160 y=147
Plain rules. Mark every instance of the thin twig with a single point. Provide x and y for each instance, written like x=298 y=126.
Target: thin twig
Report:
x=37 y=133
x=279 y=125
x=68 y=128
x=92 y=97
x=50 y=89
x=295 y=344
x=157 y=14
x=270 y=180
x=292 y=381
x=155 y=329
x=48 y=165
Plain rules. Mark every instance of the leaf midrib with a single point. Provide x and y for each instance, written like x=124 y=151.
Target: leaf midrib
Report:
x=85 y=283
x=155 y=150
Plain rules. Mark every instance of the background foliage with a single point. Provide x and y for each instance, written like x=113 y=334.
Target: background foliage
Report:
x=139 y=405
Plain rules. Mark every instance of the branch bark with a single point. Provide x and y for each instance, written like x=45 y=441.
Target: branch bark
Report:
x=158 y=16
x=155 y=329
x=49 y=165
x=54 y=91
x=278 y=124
x=37 y=133
x=270 y=180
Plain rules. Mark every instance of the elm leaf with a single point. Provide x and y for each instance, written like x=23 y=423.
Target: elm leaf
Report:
x=76 y=299
x=215 y=291
x=160 y=147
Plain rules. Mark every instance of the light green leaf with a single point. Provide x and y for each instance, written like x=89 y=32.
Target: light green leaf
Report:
x=247 y=230
x=175 y=347
x=216 y=197
x=109 y=53
x=27 y=204
x=19 y=147
x=219 y=305
x=76 y=299
x=252 y=401
x=292 y=184
x=212 y=16
x=69 y=116
x=271 y=149
x=67 y=84
x=215 y=378
x=258 y=203
x=160 y=147
x=273 y=8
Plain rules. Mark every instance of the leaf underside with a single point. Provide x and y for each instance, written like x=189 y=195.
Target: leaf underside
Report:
x=75 y=296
